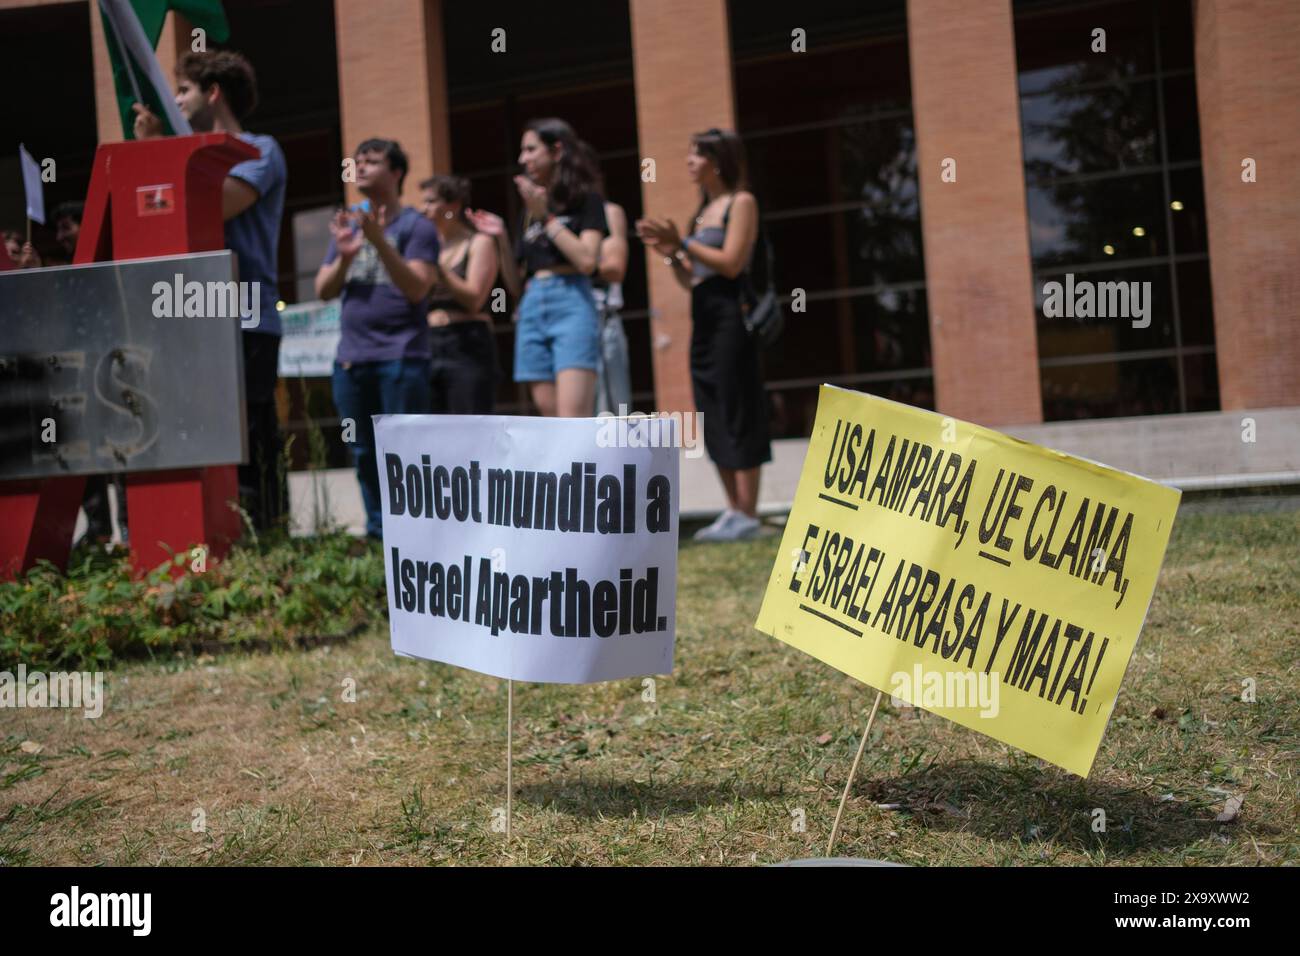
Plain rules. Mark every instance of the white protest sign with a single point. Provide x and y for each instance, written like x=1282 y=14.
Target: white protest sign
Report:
x=32 y=185
x=536 y=549
x=309 y=339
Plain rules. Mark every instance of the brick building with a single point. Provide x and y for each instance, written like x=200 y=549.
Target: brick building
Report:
x=1111 y=156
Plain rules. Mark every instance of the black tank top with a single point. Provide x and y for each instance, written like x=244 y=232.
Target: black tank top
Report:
x=440 y=296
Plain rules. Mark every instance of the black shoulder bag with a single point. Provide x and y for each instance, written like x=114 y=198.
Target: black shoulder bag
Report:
x=763 y=315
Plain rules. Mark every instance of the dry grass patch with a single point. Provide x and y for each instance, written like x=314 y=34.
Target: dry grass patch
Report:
x=744 y=741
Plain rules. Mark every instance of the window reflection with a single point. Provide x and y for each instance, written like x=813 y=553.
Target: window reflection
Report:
x=1101 y=128
x=832 y=156
x=1110 y=389
x=1113 y=190
x=1066 y=335
x=849 y=335
x=1053 y=45
x=1097 y=220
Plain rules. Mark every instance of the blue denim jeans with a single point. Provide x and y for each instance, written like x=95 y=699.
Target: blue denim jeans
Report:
x=362 y=389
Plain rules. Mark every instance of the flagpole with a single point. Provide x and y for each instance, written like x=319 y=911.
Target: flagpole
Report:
x=121 y=50
x=848 y=784
x=132 y=43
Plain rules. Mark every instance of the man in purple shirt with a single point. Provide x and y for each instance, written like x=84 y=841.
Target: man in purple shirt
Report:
x=382 y=259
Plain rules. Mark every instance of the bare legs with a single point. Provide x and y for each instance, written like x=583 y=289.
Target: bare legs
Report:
x=741 y=487
x=571 y=395
x=543 y=397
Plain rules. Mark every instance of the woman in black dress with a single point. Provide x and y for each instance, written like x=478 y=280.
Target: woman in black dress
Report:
x=711 y=263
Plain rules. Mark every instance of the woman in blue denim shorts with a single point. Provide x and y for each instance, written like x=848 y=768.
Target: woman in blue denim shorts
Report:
x=557 y=341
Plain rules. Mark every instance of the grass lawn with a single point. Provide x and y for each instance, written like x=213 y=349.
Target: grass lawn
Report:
x=745 y=741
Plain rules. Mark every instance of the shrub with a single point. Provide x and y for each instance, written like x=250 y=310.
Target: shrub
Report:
x=281 y=592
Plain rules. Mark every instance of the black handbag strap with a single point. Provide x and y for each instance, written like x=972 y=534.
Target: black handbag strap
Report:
x=768 y=255
x=747 y=277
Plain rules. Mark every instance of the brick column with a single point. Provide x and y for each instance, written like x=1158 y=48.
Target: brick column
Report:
x=393 y=84
x=978 y=274
x=681 y=55
x=107 y=121
x=173 y=43
x=1248 y=88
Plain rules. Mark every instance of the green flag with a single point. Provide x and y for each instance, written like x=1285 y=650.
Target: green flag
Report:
x=135 y=80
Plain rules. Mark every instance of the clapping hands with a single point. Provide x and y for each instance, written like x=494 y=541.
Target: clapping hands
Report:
x=662 y=234
x=488 y=223
x=534 y=197
x=347 y=237
x=372 y=221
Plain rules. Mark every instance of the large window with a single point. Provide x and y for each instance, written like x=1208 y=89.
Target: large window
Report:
x=832 y=155
x=298 y=104
x=50 y=108
x=1113 y=179
x=575 y=64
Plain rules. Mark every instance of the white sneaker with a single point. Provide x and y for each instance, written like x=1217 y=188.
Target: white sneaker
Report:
x=711 y=532
x=740 y=527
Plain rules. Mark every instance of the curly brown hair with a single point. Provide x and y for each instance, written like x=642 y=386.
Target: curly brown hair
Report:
x=227 y=69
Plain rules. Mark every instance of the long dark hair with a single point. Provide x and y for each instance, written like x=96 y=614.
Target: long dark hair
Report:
x=575 y=172
x=724 y=149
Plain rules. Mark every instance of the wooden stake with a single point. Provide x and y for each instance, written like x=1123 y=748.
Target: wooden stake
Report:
x=848 y=784
x=510 y=747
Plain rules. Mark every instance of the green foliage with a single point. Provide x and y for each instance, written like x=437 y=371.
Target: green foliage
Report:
x=281 y=592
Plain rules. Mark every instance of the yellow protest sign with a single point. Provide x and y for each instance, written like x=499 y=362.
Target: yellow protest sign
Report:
x=998 y=583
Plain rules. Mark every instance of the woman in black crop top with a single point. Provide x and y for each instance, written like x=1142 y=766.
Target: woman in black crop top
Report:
x=557 y=338
x=464 y=366
x=710 y=264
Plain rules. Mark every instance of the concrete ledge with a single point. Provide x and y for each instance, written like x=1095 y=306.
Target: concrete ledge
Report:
x=1198 y=452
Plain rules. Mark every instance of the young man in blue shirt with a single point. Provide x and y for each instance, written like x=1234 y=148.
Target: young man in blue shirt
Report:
x=216 y=91
x=382 y=259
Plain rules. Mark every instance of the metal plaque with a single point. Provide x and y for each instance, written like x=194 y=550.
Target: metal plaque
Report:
x=120 y=367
